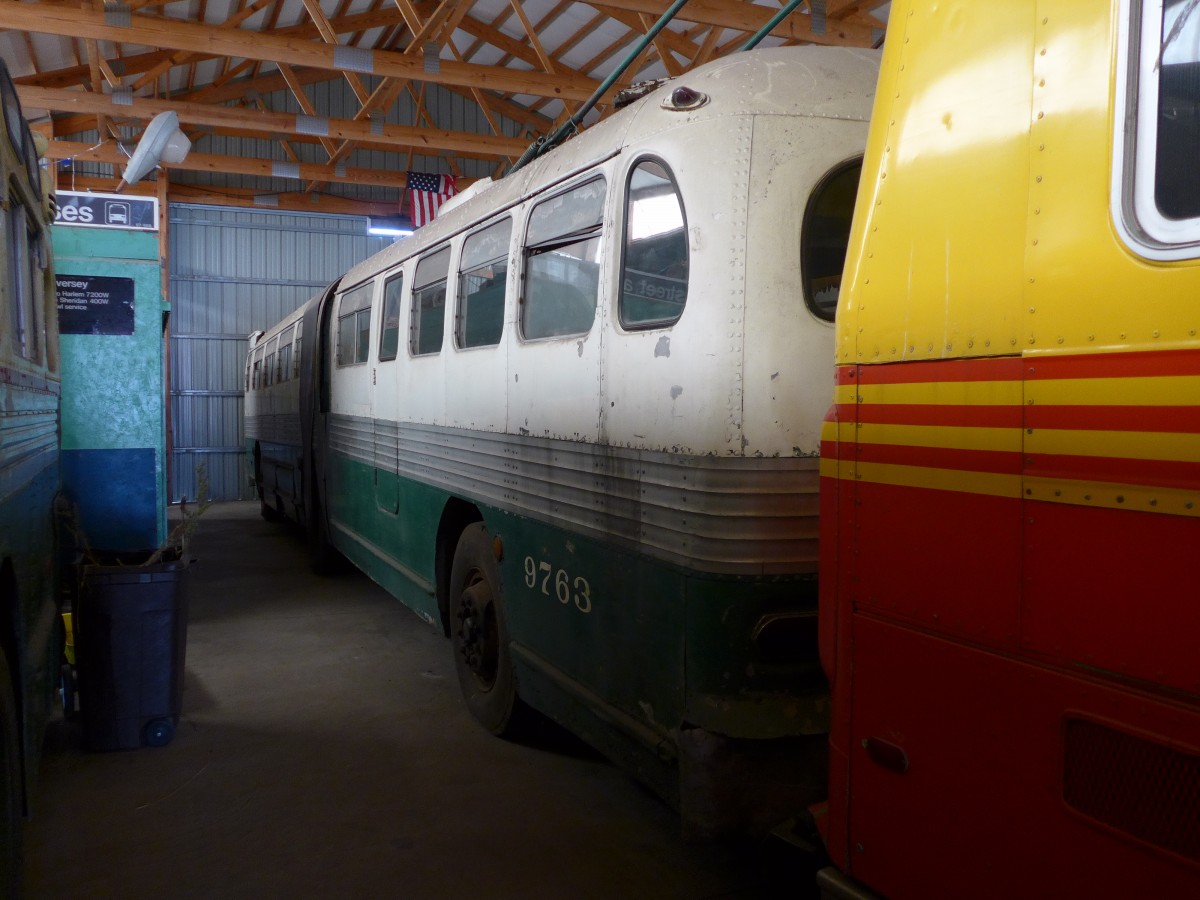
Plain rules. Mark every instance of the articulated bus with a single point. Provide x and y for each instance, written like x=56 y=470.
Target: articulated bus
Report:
x=575 y=422
x=1010 y=475
x=271 y=416
x=30 y=627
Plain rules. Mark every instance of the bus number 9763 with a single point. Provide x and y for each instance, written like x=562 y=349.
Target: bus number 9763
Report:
x=562 y=584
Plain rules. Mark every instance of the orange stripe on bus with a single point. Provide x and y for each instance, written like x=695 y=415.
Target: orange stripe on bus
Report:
x=1177 y=419
x=993 y=461
x=1005 y=368
x=1113 y=365
x=1147 y=472
x=983 y=416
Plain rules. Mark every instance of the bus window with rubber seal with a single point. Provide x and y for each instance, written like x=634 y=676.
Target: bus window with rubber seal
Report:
x=654 y=264
x=825 y=235
x=562 y=263
x=1156 y=192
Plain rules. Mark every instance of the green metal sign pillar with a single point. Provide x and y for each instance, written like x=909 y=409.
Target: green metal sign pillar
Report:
x=112 y=316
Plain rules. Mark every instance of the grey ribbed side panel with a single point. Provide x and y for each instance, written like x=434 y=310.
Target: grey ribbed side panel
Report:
x=234 y=272
x=278 y=428
x=30 y=440
x=728 y=515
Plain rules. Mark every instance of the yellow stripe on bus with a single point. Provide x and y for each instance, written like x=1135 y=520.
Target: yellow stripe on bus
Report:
x=940 y=479
x=1169 y=501
x=1164 y=390
x=957 y=393
x=1115 y=444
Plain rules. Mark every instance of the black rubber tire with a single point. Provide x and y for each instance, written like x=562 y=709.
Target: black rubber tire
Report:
x=11 y=803
x=323 y=557
x=268 y=512
x=479 y=633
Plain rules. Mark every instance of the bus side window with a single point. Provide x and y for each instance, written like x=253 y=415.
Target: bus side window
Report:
x=389 y=335
x=654 y=265
x=283 y=362
x=428 y=319
x=296 y=359
x=354 y=325
x=269 y=369
x=825 y=235
x=1157 y=173
x=22 y=259
x=562 y=263
x=482 y=278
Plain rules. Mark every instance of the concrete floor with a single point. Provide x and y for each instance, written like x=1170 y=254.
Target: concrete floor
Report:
x=324 y=751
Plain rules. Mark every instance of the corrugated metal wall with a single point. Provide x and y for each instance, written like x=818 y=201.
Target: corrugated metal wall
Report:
x=233 y=272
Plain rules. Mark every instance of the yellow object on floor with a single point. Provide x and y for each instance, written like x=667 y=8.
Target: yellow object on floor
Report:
x=69 y=649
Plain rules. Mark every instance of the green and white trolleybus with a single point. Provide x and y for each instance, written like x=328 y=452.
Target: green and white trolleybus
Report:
x=575 y=422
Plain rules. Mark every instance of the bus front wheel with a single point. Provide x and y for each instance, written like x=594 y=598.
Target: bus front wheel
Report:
x=480 y=635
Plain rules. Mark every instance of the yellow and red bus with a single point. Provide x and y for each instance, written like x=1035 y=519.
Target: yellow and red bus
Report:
x=1010 y=510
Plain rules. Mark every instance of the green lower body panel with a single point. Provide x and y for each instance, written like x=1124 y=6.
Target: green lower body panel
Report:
x=671 y=673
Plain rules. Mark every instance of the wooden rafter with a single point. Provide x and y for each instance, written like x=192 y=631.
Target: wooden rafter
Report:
x=395 y=136
x=505 y=61
x=53 y=19
x=237 y=165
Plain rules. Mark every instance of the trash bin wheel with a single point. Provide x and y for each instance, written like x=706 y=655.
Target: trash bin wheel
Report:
x=158 y=732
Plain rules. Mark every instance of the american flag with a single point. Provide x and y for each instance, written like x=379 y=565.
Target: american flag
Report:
x=426 y=193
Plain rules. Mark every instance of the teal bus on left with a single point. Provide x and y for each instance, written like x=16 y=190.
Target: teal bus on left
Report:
x=31 y=633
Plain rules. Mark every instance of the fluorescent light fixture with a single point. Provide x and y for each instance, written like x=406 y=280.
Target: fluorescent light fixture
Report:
x=387 y=228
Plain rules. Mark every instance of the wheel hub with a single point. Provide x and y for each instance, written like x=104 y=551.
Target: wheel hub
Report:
x=478 y=642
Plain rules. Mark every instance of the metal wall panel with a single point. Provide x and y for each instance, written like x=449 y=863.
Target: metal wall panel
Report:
x=232 y=272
